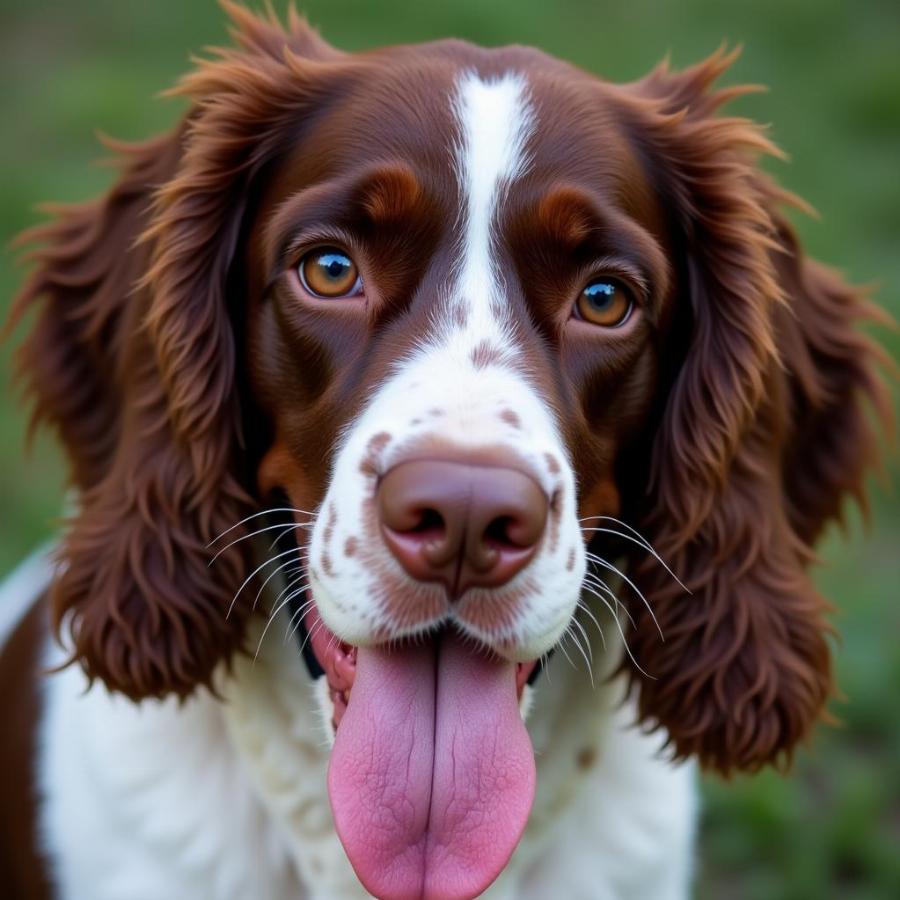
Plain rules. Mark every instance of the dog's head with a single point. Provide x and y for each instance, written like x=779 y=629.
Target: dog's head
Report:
x=495 y=328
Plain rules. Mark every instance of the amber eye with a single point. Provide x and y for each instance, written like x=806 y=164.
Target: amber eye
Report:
x=606 y=302
x=329 y=272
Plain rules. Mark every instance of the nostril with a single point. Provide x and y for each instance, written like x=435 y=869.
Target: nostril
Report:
x=430 y=525
x=501 y=532
x=515 y=531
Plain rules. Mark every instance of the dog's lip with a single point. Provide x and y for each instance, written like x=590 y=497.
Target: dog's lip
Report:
x=337 y=659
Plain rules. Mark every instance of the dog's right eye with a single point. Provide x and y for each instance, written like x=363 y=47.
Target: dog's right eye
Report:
x=329 y=273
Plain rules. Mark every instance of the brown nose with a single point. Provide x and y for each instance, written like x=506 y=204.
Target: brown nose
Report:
x=459 y=523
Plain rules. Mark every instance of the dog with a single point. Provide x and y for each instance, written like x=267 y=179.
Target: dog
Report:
x=449 y=433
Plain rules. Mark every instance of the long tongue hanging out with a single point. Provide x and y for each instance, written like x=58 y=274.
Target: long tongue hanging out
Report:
x=432 y=773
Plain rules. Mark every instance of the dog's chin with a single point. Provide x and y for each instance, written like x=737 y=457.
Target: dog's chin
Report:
x=432 y=775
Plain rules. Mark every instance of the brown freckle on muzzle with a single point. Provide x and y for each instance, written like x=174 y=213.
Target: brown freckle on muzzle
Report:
x=327 y=567
x=570 y=562
x=330 y=524
x=586 y=758
x=552 y=464
x=369 y=464
x=350 y=546
x=555 y=521
x=511 y=418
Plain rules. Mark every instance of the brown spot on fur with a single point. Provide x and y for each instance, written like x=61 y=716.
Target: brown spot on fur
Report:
x=379 y=442
x=327 y=567
x=511 y=418
x=485 y=354
x=350 y=546
x=552 y=464
x=369 y=464
x=586 y=758
x=570 y=561
x=555 y=519
x=329 y=524
x=460 y=316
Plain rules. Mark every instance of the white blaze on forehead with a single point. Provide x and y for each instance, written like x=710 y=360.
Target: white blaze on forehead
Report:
x=495 y=121
x=466 y=381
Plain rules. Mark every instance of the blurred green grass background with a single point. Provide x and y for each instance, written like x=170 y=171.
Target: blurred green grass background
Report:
x=68 y=70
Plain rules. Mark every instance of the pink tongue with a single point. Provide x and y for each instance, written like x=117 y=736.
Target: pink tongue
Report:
x=432 y=774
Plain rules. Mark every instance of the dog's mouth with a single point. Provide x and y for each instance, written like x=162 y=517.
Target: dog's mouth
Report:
x=432 y=775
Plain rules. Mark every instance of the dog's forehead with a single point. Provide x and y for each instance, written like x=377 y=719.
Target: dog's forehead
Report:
x=415 y=103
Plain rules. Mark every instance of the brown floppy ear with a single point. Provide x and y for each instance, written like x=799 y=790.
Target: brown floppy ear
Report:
x=133 y=359
x=764 y=431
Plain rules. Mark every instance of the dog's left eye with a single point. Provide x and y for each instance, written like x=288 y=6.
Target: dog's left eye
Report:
x=329 y=272
x=606 y=302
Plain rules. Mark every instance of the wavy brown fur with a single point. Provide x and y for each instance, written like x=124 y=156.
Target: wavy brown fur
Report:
x=765 y=430
x=132 y=360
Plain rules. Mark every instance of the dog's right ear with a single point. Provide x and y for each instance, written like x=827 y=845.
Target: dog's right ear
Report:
x=134 y=360
x=85 y=270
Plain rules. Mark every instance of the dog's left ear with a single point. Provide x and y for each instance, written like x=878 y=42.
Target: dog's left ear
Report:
x=134 y=359
x=764 y=430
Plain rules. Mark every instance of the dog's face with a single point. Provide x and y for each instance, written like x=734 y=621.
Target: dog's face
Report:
x=476 y=313
x=475 y=292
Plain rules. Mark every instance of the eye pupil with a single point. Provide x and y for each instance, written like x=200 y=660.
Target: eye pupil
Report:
x=329 y=273
x=335 y=266
x=601 y=293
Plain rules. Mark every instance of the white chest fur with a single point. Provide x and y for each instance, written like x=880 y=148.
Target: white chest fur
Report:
x=216 y=799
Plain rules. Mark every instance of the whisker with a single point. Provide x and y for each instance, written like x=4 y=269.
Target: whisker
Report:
x=562 y=647
x=595 y=582
x=631 y=528
x=613 y=610
x=271 y=619
x=287 y=528
x=332 y=642
x=251 y=535
x=605 y=602
x=574 y=637
x=293 y=576
x=314 y=630
x=587 y=641
x=641 y=542
x=301 y=612
x=273 y=573
x=585 y=656
x=545 y=665
x=255 y=515
x=297 y=615
x=608 y=565
x=253 y=574
x=586 y=609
